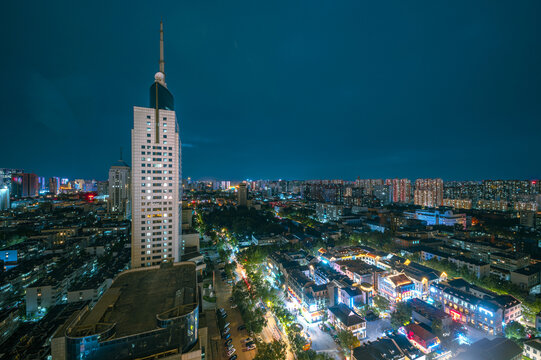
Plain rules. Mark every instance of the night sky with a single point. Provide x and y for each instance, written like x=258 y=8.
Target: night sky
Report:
x=278 y=89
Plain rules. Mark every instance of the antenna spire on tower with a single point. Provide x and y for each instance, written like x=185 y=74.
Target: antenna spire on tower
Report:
x=162 y=62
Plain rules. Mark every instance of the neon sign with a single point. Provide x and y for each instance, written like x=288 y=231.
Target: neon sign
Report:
x=455 y=314
x=483 y=310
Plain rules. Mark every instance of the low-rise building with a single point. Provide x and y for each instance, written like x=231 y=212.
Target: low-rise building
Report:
x=509 y=260
x=396 y=288
x=421 y=338
x=437 y=217
x=532 y=349
x=424 y=313
x=478 y=268
x=393 y=347
x=527 y=277
x=495 y=349
x=163 y=320
x=344 y=318
x=475 y=306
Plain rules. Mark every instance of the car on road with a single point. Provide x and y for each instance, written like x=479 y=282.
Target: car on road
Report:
x=231 y=352
x=241 y=327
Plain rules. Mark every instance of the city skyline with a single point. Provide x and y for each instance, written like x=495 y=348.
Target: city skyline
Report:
x=312 y=92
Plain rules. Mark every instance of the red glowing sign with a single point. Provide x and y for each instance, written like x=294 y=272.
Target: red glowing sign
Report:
x=455 y=314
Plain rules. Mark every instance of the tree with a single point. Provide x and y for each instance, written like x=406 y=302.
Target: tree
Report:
x=515 y=330
x=401 y=316
x=381 y=303
x=297 y=342
x=275 y=350
x=437 y=327
x=347 y=340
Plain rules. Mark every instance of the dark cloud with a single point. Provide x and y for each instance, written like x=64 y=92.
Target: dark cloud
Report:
x=308 y=89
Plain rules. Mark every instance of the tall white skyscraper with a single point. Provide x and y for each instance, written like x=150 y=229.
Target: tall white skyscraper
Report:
x=156 y=171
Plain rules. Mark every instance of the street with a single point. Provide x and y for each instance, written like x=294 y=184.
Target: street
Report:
x=322 y=342
x=375 y=329
x=223 y=293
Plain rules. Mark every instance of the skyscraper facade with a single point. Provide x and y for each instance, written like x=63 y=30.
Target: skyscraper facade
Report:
x=156 y=171
x=428 y=192
x=119 y=189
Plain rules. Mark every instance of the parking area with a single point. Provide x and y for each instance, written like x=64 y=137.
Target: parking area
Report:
x=223 y=293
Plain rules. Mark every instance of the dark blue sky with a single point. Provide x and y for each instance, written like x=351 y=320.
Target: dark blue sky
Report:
x=278 y=89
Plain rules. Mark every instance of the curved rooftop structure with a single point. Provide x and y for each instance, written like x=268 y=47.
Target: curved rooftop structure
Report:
x=145 y=311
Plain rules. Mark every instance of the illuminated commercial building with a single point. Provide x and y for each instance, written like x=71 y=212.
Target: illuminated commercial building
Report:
x=311 y=299
x=435 y=217
x=475 y=306
x=396 y=288
x=428 y=192
x=146 y=313
x=421 y=338
x=156 y=168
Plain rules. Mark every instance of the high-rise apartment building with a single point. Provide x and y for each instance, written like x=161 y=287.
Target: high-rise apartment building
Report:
x=119 y=189
x=4 y=197
x=242 y=195
x=54 y=185
x=400 y=190
x=25 y=185
x=156 y=171
x=6 y=175
x=428 y=192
